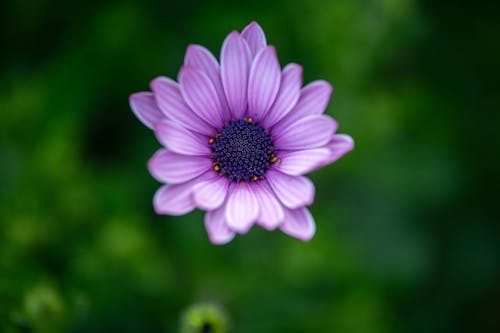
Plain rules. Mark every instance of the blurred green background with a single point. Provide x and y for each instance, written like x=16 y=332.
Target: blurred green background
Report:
x=407 y=224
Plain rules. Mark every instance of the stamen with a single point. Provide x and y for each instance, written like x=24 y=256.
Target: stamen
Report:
x=274 y=159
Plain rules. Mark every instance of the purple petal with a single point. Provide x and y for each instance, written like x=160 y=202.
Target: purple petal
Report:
x=255 y=37
x=299 y=223
x=339 y=145
x=309 y=132
x=217 y=229
x=293 y=191
x=199 y=93
x=144 y=107
x=200 y=58
x=169 y=99
x=314 y=98
x=300 y=162
x=242 y=208
x=264 y=82
x=210 y=194
x=174 y=199
x=180 y=140
x=288 y=95
x=313 y=101
x=270 y=209
x=170 y=167
x=235 y=67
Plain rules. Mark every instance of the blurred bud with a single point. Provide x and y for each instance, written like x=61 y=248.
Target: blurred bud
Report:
x=44 y=309
x=204 y=318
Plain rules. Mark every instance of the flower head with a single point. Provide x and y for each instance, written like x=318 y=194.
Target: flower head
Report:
x=238 y=137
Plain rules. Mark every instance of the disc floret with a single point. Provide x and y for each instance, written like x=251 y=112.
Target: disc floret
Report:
x=242 y=150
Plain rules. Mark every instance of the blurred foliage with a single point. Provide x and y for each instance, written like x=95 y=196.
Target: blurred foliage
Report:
x=407 y=224
x=204 y=318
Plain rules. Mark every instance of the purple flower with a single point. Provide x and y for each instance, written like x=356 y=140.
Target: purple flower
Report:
x=238 y=138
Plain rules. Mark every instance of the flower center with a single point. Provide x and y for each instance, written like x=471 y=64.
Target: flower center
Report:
x=242 y=150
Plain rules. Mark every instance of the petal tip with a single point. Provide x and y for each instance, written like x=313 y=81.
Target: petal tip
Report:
x=150 y=165
x=219 y=242
x=254 y=24
x=299 y=224
x=253 y=27
x=220 y=239
x=191 y=51
x=305 y=238
x=233 y=34
x=193 y=47
x=145 y=108
x=349 y=142
x=327 y=86
x=294 y=66
x=133 y=98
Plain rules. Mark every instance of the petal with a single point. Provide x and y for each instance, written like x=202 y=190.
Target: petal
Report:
x=174 y=199
x=144 y=107
x=242 y=208
x=210 y=194
x=339 y=145
x=199 y=93
x=169 y=167
x=180 y=140
x=296 y=163
x=299 y=223
x=270 y=209
x=313 y=101
x=235 y=67
x=169 y=99
x=264 y=82
x=217 y=229
x=255 y=37
x=293 y=191
x=309 y=132
x=200 y=58
x=288 y=95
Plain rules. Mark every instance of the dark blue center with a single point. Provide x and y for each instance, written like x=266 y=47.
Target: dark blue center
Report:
x=242 y=150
